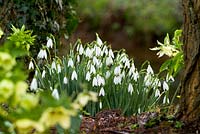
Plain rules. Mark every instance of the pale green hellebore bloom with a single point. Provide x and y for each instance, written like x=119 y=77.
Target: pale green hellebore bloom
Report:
x=6 y=61
x=6 y=89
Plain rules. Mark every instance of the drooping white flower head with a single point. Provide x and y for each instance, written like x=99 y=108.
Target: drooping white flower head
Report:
x=97 y=51
x=53 y=65
x=31 y=65
x=88 y=52
x=131 y=70
x=58 y=68
x=88 y=76
x=117 y=70
x=94 y=82
x=34 y=85
x=49 y=42
x=74 y=75
x=165 y=86
x=78 y=59
x=42 y=54
x=130 y=88
x=65 y=80
x=99 y=42
x=157 y=93
x=169 y=78
x=102 y=92
x=43 y=73
x=70 y=63
x=110 y=53
x=165 y=100
x=117 y=79
x=109 y=61
x=80 y=49
x=100 y=80
x=149 y=70
x=107 y=74
x=55 y=94
x=104 y=50
x=92 y=69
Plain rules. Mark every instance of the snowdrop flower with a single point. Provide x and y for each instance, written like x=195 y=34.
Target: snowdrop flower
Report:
x=78 y=58
x=80 y=49
x=88 y=52
x=131 y=70
x=42 y=54
x=107 y=74
x=58 y=68
x=100 y=105
x=70 y=63
x=94 y=82
x=49 y=42
x=127 y=63
x=165 y=100
x=104 y=50
x=117 y=79
x=100 y=80
x=149 y=70
x=53 y=65
x=135 y=75
x=95 y=60
x=165 y=86
x=36 y=73
x=110 y=53
x=97 y=51
x=65 y=80
x=88 y=76
x=31 y=66
x=34 y=84
x=157 y=93
x=101 y=92
x=109 y=61
x=55 y=94
x=169 y=77
x=74 y=75
x=130 y=88
x=43 y=73
x=92 y=69
x=99 y=42
x=147 y=80
x=117 y=70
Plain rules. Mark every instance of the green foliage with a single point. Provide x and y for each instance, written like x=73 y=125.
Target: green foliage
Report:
x=95 y=67
x=137 y=15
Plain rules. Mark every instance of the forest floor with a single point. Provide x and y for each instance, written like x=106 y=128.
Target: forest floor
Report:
x=112 y=122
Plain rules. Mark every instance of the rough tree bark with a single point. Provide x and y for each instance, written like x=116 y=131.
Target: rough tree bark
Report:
x=190 y=87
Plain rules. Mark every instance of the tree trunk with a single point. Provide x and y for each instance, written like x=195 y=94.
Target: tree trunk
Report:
x=190 y=86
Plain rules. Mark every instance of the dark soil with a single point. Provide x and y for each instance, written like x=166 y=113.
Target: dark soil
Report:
x=112 y=122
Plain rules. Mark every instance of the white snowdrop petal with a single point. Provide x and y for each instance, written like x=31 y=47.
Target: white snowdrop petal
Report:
x=65 y=80
x=31 y=65
x=43 y=73
x=130 y=88
x=49 y=42
x=58 y=68
x=149 y=70
x=34 y=85
x=70 y=63
x=55 y=94
x=102 y=92
x=165 y=86
x=74 y=75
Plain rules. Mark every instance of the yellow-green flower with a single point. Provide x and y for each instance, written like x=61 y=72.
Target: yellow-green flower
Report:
x=26 y=126
x=20 y=91
x=6 y=89
x=29 y=101
x=57 y=115
x=6 y=61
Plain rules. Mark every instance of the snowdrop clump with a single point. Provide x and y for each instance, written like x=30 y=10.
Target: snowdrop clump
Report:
x=112 y=74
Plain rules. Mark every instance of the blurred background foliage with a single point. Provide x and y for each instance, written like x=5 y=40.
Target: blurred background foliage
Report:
x=135 y=25
x=44 y=17
x=157 y=16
